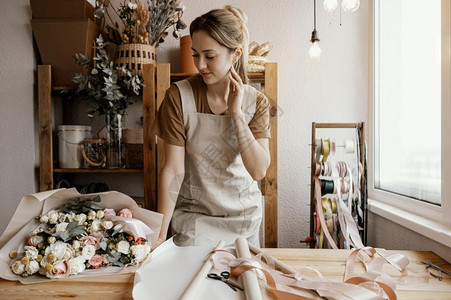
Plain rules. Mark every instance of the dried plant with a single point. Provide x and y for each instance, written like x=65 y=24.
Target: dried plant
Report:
x=143 y=24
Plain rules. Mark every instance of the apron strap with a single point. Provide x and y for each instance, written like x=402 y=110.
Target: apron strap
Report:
x=187 y=98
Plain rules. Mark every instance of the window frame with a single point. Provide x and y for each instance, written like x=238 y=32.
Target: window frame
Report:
x=427 y=219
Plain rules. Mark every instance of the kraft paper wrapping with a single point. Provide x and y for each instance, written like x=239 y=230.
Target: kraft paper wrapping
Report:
x=171 y=272
x=249 y=278
x=30 y=206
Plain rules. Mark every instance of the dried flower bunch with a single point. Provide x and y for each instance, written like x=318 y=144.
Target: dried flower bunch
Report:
x=143 y=24
x=77 y=236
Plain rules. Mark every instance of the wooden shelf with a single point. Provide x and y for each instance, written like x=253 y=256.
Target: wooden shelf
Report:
x=105 y=171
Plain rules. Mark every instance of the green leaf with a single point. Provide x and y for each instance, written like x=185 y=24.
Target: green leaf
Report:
x=117 y=230
x=72 y=225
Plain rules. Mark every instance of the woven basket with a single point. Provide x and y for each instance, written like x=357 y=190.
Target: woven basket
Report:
x=133 y=139
x=134 y=56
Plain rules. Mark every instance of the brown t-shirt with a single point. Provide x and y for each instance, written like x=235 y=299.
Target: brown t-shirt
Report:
x=169 y=122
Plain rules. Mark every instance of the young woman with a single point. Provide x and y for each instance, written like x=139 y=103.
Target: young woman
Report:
x=216 y=131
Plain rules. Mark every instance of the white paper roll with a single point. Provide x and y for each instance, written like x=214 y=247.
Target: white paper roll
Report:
x=248 y=279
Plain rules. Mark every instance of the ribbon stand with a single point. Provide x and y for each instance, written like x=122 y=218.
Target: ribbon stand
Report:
x=360 y=128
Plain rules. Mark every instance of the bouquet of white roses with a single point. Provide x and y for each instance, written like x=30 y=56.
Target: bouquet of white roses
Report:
x=79 y=235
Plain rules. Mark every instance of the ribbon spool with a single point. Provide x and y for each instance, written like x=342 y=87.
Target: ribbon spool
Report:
x=349 y=146
x=326 y=149
x=327 y=187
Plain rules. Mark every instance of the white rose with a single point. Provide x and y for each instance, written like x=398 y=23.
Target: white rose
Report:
x=107 y=224
x=70 y=216
x=17 y=267
x=52 y=216
x=44 y=219
x=95 y=226
x=123 y=247
x=100 y=214
x=43 y=262
x=139 y=252
x=32 y=267
x=105 y=259
x=36 y=240
x=31 y=252
x=77 y=265
x=61 y=227
x=36 y=231
x=61 y=217
x=91 y=215
x=81 y=218
x=88 y=251
x=76 y=244
x=58 y=249
x=68 y=253
x=51 y=239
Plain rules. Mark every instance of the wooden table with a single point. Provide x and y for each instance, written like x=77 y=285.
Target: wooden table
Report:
x=414 y=283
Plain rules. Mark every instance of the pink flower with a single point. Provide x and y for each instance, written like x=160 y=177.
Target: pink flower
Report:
x=109 y=212
x=60 y=269
x=125 y=213
x=96 y=260
x=92 y=239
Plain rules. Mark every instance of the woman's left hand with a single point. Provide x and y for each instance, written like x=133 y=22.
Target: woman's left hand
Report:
x=236 y=91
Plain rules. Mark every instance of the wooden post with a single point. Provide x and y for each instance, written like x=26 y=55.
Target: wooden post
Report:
x=45 y=128
x=149 y=153
x=270 y=180
x=163 y=83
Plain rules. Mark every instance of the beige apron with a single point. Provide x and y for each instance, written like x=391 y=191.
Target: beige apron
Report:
x=218 y=199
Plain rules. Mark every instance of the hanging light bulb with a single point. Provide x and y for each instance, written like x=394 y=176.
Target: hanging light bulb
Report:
x=330 y=5
x=350 y=5
x=315 y=50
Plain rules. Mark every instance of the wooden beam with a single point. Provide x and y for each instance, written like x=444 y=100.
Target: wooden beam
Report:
x=45 y=127
x=149 y=152
x=163 y=83
x=270 y=180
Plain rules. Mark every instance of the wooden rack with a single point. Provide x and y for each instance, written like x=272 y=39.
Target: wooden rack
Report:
x=361 y=136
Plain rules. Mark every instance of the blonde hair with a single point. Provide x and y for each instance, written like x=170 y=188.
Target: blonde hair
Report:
x=228 y=27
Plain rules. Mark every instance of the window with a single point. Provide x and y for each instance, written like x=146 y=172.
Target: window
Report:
x=408 y=99
x=410 y=92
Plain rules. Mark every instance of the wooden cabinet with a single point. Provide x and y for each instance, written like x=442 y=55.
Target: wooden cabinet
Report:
x=157 y=80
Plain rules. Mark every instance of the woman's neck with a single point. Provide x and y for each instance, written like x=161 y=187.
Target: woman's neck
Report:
x=219 y=91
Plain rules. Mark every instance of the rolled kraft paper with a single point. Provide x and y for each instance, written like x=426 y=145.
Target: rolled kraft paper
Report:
x=186 y=55
x=280 y=265
x=196 y=284
x=249 y=278
x=349 y=146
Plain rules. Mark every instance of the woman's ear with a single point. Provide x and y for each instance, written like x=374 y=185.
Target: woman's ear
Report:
x=237 y=54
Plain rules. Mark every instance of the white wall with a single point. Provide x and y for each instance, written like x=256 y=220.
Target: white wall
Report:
x=17 y=108
x=331 y=89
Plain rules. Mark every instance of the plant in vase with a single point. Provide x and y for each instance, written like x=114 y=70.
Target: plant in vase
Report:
x=108 y=90
x=142 y=28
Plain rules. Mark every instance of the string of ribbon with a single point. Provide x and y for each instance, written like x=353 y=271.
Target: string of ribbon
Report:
x=371 y=285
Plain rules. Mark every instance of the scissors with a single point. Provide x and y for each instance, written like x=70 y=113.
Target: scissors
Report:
x=224 y=277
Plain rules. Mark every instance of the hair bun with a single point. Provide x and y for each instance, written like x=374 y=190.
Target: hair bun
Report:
x=237 y=12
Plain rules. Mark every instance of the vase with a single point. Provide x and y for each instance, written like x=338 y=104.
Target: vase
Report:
x=114 y=141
